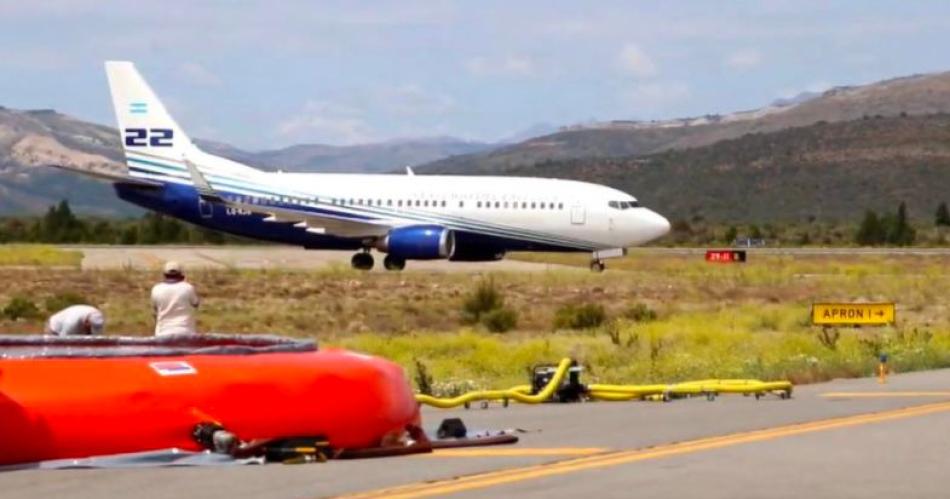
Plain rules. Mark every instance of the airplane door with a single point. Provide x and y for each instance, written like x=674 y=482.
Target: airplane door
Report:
x=578 y=215
x=205 y=208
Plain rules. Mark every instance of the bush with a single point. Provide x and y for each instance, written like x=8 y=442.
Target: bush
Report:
x=20 y=307
x=482 y=300
x=500 y=320
x=639 y=312
x=586 y=316
x=60 y=301
x=423 y=378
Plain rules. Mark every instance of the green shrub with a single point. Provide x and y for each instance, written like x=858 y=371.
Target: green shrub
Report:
x=423 y=378
x=639 y=312
x=60 y=301
x=20 y=307
x=485 y=298
x=585 y=316
x=500 y=320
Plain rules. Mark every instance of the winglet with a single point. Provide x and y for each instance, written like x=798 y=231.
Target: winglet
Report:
x=410 y=172
x=205 y=191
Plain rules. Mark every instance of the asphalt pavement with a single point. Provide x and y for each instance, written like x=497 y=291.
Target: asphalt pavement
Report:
x=845 y=438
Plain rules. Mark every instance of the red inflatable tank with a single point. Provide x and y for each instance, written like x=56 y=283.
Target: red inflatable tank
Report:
x=82 y=397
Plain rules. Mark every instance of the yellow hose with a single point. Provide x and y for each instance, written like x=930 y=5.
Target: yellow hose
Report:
x=522 y=393
x=515 y=393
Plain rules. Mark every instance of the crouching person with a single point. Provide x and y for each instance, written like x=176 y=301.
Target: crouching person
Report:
x=174 y=302
x=76 y=320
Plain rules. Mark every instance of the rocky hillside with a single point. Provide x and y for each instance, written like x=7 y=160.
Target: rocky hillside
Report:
x=913 y=95
x=825 y=171
x=29 y=139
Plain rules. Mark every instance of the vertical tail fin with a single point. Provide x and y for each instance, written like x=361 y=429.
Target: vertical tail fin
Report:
x=144 y=123
x=150 y=134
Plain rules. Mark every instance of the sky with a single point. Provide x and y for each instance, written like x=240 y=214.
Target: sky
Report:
x=265 y=74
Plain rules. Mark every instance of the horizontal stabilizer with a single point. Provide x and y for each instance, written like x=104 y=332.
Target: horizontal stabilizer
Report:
x=109 y=173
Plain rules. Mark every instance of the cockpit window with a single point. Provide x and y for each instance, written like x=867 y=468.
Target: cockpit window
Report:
x=623 y=205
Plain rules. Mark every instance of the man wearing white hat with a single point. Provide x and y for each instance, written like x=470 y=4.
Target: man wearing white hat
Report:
x=76 y=320
x=174 y=302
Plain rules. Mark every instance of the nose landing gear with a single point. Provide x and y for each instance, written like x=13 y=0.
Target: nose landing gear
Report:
x=362 y=261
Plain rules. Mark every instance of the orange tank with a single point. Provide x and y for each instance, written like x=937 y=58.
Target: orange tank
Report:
x=71 y=406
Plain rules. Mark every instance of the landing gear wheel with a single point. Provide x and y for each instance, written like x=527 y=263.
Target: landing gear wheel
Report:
x=597 y=266
x=362 y=261
x=393 y=263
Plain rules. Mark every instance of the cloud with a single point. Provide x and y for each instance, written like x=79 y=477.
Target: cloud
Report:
x=509 y=65
x=413 y=100
x=654 y=96
x=196 y=74
x=326 y=122
x=632 y=60
x=743 y=59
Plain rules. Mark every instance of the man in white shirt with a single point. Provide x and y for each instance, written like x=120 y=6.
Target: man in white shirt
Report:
x=174 y=302
x=76 y=320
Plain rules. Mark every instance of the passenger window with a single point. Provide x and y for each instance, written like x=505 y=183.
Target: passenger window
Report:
x=478 y=204
x=461 y=204
x=534 y=205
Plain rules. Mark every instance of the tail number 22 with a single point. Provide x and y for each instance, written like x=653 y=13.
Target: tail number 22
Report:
x=154 y=137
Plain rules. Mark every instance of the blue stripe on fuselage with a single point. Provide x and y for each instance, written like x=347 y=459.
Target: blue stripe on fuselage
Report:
x=181 y=201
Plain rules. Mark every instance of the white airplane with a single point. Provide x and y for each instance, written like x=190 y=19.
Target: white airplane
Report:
x=408 y=217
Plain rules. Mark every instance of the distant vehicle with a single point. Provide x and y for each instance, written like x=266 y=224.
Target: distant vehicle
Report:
x=408 y=217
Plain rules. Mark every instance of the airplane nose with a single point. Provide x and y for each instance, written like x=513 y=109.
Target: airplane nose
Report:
x=659 y=225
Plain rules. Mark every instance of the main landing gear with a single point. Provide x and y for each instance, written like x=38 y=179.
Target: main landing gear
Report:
x=393 y=263
x=597 y=266
x=362 y=261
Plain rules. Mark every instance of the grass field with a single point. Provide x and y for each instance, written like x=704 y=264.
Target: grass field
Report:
x=38 y=255
x=711 y=320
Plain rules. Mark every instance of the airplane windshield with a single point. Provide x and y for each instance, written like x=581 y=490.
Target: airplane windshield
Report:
x=623 y=205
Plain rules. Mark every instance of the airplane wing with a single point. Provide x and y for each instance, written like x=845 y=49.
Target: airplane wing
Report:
x=108 y=173
x=317 y=223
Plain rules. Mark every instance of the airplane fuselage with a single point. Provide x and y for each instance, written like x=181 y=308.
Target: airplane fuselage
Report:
x=493 y=213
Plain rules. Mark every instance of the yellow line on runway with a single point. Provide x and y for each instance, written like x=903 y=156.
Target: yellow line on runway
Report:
x=883 y=394
x=501 y=477
x=516 y=452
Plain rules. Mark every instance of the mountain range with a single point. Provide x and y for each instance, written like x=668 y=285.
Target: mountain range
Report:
x=827 y=155
x=31 y=139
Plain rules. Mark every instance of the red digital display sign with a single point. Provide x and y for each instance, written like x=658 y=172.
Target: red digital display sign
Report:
x=725 y=256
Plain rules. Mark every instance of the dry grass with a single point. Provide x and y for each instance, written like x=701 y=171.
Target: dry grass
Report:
x=713 y=320
x=38 y=255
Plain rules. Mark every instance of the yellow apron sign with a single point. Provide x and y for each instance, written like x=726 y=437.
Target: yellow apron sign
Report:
x=842 y=314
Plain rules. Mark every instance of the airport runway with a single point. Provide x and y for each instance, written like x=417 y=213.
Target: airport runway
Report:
x=265 y=257
x=289 y=257
x=870 y=440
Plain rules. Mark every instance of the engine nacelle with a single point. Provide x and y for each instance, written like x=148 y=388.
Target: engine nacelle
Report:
x=419 y=242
